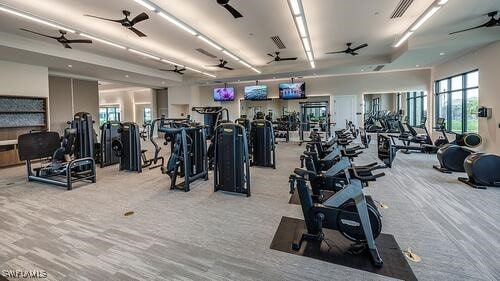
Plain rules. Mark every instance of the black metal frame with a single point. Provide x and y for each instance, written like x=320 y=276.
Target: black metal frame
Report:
x=448 y=94
x=72 y=173
x=411 y=107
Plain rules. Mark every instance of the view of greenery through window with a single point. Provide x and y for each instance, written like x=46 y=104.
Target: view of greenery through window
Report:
x=457 y=100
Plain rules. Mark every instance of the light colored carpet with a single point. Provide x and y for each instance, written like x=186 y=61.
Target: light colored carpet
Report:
x=201 y=235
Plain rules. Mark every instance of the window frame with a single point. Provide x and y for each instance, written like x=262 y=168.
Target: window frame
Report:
x=449 y=93
x=411 y=106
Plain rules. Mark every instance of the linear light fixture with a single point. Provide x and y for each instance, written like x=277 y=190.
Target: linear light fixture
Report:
x=172 y=63
x=245 y=64
x=102 y=41
x=429 y=12
x=146 y=5
x=143 y=54
x=37 y=19
x=300 y=22
x=231 y=55
x=209 y=42
x=172 y=19
x=178 y=23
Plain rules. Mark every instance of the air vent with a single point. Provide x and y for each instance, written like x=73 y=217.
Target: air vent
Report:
x=278 y=42
x=206 y=53
x=401 y=8
x=379 y=67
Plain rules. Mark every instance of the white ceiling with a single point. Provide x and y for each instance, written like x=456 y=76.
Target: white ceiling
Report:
x=331 y=24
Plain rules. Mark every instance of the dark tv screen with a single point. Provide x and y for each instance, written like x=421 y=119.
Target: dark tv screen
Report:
x=224 y=94
x=258 y=92
x=290 y=91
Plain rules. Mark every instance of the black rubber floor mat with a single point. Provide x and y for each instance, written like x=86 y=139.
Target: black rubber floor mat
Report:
x=395 y=264
x=294 y=199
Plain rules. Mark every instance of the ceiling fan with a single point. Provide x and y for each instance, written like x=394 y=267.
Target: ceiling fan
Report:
x=176 y=70
x=222 y=64
x=350 y=51
x=229 y=8
x=278 y=58
x=126 y=22
x=491 y=23
x=61 y=39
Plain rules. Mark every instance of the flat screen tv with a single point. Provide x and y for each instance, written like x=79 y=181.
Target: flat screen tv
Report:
x=224 y=94
x=258 y=92
x=290 y=91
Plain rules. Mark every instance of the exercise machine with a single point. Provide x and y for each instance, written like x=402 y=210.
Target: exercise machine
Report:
x=211 y=115
x=263 y=144
x=156 y=161
x=467 y=139
x=110 y=132
x=451 y=158
x=482 y=170
x=128 y=148
x=62 y=169
x=86 y=138
x=232 y=160
x=188 y=157
x=348 y=211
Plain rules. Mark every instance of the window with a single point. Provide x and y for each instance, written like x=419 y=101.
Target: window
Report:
x=109 y=113
x=457 y=101
x=399 y=102
x=147 y=115
x=416 y=104
x=376 y=105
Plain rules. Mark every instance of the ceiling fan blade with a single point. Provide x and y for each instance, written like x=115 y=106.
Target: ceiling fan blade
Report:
x=233 y=11
x=180 y=70
x=48 y=36
x=139 y=18
x=66 y=45
x=214 y=65
x=101 y=18
x=288 y=58
x=472 y=28
x=271 y=55
x=354 y=53
x=228 y=68
x=80 y=41
x=271 y=61
x=166 y=69
x=359 y=47
x=339 y=52
x=136 y=31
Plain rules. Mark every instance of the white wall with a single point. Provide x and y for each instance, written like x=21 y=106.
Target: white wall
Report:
x=487 y=60
x=322 y=86
x=23 y=80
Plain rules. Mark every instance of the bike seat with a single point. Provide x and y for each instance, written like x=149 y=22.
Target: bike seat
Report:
x=303 y=172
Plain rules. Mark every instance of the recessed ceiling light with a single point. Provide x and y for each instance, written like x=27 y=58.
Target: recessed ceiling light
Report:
x=362 y=70
x=295 y=7
x=126 y=76
x=69 y=65
x=442 y=54
x=177 y=23
x=144 y=54
x=418 y=65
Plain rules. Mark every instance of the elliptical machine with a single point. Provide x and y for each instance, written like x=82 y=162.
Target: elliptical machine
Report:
x=482 y=170
x=451 y=155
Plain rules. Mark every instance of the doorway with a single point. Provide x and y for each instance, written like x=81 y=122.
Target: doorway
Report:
x=344 y=110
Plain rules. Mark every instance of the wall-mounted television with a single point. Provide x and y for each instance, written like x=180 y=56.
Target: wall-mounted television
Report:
x=290 y=91
x=224 y=94
x=257 y=92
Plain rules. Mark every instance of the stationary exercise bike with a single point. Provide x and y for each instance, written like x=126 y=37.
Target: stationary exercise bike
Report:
x=466 y=139
x=347 y=211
